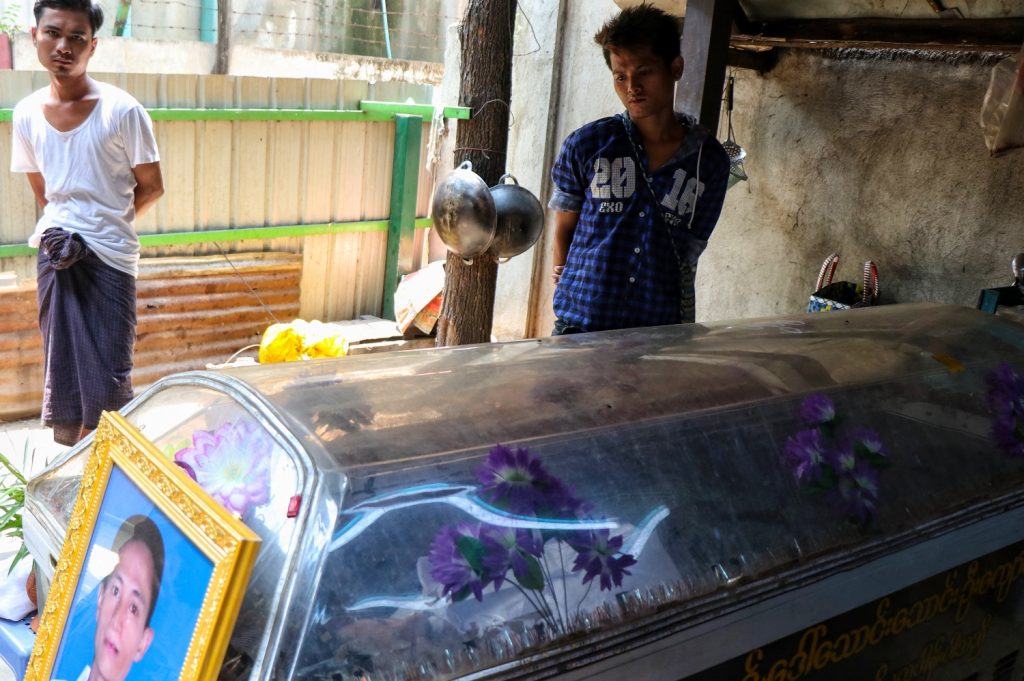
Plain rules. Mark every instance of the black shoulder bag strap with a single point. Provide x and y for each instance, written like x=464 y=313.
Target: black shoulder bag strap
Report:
x=687 y=262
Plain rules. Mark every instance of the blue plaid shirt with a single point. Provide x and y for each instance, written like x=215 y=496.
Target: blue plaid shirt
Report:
x=620 y=271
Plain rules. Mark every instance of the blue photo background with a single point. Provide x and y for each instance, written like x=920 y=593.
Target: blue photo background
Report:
x=186 y=576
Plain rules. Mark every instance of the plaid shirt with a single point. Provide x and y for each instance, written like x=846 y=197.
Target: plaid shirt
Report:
x=621 y=271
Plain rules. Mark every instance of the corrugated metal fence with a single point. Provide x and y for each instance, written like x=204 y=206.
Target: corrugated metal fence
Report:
x=192 y=311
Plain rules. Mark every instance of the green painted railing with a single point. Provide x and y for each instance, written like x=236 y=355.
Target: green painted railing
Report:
x=228 y=235
x=368 y=111
x=424 y=110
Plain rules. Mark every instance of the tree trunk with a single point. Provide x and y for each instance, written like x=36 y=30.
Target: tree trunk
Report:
x=467 y=310
x=223 y=37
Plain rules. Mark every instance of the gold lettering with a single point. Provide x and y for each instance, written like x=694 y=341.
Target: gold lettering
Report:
x=881 y=622
x=816 y=649
x=940 y=651
x=781 y=671
x=802 y=661
x=822 y=655
x=949 y=596
x=900 y=622
x=858 y=639
x=751 y=664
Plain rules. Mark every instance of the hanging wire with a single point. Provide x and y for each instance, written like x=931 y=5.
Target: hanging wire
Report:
x=413 y=32
x=736 y=153
x=266 y=308
x=533 y=33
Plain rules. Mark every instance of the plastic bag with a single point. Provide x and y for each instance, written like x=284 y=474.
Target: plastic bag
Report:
x=302 y=340
x=14 y=600
x=1002 y=113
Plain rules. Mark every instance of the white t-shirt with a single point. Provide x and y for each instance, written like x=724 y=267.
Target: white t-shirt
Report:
x=90 y=186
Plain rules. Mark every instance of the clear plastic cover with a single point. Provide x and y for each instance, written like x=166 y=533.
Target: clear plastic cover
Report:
x=484 y=507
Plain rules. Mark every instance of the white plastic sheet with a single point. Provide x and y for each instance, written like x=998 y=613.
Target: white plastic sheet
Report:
x=14 y=602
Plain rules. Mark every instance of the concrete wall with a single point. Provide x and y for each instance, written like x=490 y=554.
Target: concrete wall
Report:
x=129 y=55
x=136 y=55
x=325 y=26
x=872 y=157
x=535 y=81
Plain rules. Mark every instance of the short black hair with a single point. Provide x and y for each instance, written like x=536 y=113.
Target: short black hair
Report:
x=139 y=528
x=640 y=26
x=93 y=9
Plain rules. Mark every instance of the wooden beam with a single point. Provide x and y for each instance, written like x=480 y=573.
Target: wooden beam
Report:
x=762 y=60
x=706 y=34
x=976 y=35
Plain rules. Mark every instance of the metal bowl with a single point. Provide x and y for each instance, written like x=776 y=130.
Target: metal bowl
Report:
x=520 y=218
x=463 y=212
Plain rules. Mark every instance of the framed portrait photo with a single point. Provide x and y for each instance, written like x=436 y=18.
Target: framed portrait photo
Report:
x=151 y=574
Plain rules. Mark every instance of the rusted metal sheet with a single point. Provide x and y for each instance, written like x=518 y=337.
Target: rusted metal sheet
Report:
x=192 y=311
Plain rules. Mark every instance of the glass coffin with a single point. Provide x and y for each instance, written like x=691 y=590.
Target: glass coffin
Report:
x=657 y=502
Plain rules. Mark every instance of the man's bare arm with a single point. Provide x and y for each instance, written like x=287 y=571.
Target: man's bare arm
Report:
x=565 y=226
x=149 y=186
x=38 y=188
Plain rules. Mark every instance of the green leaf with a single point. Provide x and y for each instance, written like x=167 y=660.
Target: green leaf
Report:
x=535 y=576
x=22 y=552
x=879 y=461
x=473 y=551
x=826 y=483
x=10 y=519
x=463 y=593
x=6 y=463
x=15 y=494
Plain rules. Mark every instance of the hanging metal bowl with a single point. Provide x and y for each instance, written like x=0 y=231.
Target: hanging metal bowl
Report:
x=463 y=212
x=520 y=218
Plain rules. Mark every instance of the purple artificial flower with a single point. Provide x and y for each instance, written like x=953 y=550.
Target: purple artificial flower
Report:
x=858 y=492
x=188 y=469
x=843 y=459
x=452 y=567
x=600 y=555
x=1006 y=388
x=517 y=481
x=1006 y=398
x=818 y=410
x=508 y=547
x=805 y=454
x=560 y=501
x=869 y=441
x=1008 y=432
x=232 y=464
x=513 y=478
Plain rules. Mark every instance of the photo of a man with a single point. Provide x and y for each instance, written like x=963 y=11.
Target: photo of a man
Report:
x=139 y=594
x=126 y=600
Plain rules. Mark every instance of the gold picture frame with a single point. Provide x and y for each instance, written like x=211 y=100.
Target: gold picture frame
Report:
x=197 y=572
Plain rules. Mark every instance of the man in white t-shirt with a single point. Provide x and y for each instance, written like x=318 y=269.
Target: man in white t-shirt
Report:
x=91 y=158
